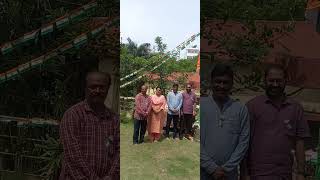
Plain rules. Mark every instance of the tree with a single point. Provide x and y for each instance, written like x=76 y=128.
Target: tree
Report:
x=161 y=47
x=252 y=43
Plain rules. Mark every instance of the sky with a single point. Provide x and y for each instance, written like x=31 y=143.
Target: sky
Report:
x=174 y=20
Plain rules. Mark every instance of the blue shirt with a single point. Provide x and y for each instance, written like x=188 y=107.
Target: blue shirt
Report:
x=174 y=101
x=224 y=137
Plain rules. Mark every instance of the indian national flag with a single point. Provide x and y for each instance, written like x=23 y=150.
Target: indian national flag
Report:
x=51 y=55
x=6 y=48
x=29 y=36
x=80 y=40
x=64 y=21
x=23 y=67
x=97 y=31
x=2 y=77
x=90 y=6
x=313 y=4
x=37 y=61
x=47 y=29
x=11 y=73
x=77 y=15
x=66 y=47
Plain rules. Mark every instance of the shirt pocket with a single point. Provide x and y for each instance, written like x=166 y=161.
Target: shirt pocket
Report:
x=232 y=124
x=289 y=126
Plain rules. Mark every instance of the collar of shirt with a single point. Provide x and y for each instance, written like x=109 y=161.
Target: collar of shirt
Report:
x=287 y=101
x=227 y=104
x=106 y=115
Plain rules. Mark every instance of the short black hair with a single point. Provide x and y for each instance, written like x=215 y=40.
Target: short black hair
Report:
x=175 y=85
x=222 y=69
x=275 y=67
x=107 y=76
x=158 y=87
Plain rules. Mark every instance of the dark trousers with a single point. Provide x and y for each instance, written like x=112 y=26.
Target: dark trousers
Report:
x=186 y=124
x=139 y=131
x=175 y=119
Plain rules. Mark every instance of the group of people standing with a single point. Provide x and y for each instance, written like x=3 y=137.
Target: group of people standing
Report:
x=151 y=112
x=263 y=136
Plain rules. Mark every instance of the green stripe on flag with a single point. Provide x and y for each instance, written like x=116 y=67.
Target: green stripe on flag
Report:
x=66 y=48
x=6 y=48
x=46 y=30
x=62 y=23
x=80 y=40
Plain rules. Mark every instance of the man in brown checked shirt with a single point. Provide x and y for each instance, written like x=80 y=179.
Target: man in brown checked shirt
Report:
x=89 y=132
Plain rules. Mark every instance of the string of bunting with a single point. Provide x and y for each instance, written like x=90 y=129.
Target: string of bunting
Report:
x=75 y=43
x=58 y=24
x=173 y=53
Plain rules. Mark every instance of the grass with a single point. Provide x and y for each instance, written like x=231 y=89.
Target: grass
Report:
x=168 y=159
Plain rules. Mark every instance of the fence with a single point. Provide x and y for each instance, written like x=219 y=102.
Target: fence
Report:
x=21 y=140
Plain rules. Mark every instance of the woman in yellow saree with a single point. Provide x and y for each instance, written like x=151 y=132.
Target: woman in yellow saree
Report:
x=157 y=115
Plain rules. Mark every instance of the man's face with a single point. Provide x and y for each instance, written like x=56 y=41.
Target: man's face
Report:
x=275 y=83
x=175 y=88
x=221 y=86
x=144 y=90
x=97 y=88
x=188 y=88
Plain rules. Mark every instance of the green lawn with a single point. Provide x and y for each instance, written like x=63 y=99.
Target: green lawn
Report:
x=165 y=160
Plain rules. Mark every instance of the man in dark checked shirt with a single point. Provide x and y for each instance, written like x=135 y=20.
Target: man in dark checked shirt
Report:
x=89 y=133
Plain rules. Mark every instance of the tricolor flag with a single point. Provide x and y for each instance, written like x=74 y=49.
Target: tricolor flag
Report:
x=65 y=48
x=76 y=15
x=62 y=22
x=313 y=4
x=11 y=73
x=37 y=61
x=82 y=39
x=23 y=67
x=51 y=55
x=97 y=31
x=6 y=48
x=28 y=37
x=2 y=77
x=90 y=6
x=47 y=29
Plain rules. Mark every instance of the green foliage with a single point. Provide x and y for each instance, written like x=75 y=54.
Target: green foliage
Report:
x=130 y=62
x=247 y=47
